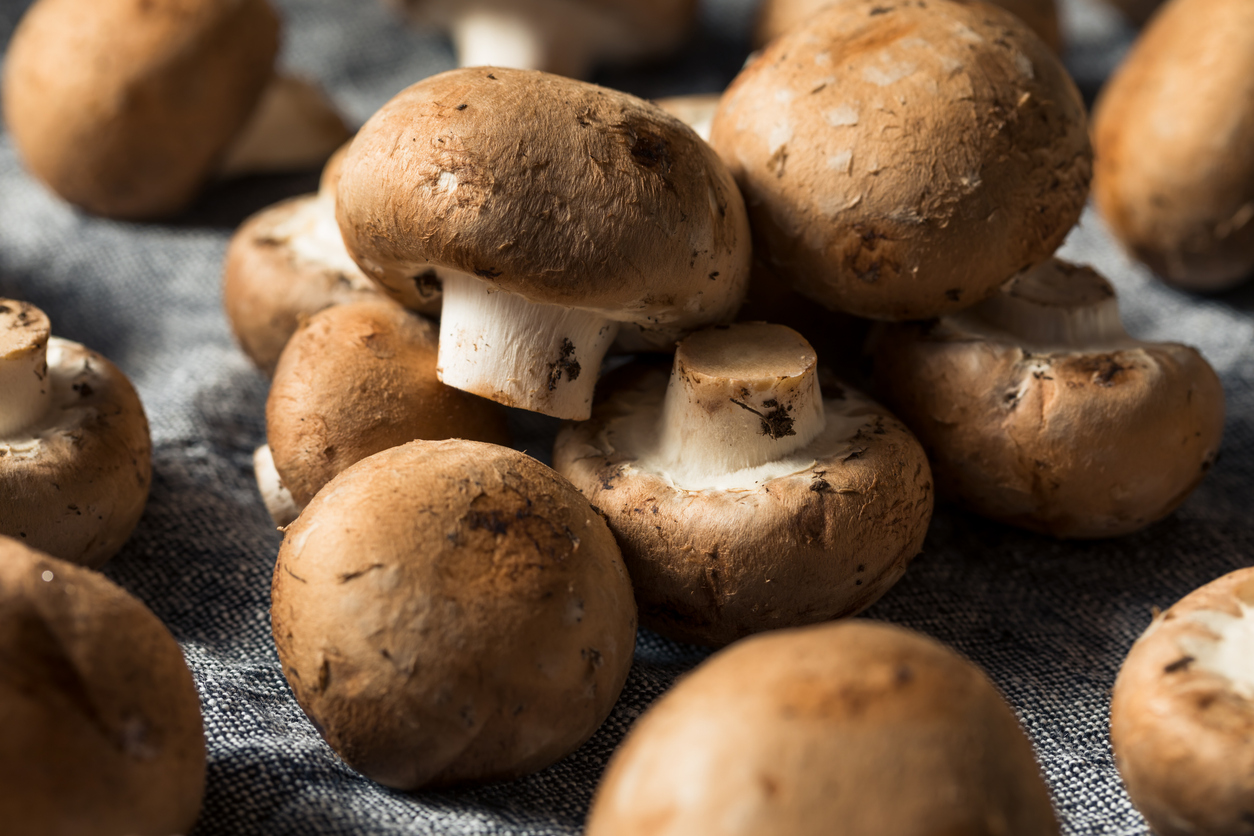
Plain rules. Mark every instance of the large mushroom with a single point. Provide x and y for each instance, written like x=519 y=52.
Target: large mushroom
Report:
x=743 y=499
x=1037 y=409
x=903 y=159
x=75 y=454
x=563 y=213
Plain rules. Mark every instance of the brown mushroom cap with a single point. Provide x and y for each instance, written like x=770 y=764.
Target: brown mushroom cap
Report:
x=1173 y=133
x=859 y=728
x=451 y=612
x=718 y=552
x=775 y=17
x=1089 y=434
x=124 y=108
x=102 y=727
x=1182 y=713
x=359 y=378
x=74 y=480
x=903 y=159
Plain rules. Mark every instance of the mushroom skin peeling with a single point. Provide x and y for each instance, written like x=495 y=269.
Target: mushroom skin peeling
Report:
x=742 y=498
x=1037 y=409
x=75 y=454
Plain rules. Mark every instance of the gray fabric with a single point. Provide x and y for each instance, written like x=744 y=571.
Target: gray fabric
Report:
x=1049 y=621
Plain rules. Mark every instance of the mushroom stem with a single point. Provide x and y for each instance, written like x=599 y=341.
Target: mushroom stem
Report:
x=293 y=128
x=1056 y=304
x=739 y=397
x=500 y=38
x=25 y=390
x=277 y=498
x=504 y=347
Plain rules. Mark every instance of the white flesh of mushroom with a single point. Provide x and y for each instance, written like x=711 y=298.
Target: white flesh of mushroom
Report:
x=24 y=382
x=502 y=346
x=497 y=38
x=294 y=127
x=1228 y=651
x=283 y=509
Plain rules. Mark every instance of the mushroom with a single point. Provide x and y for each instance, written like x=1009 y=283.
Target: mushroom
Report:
x=75 y=455
x=776 y=17
x=563 y=213
x=856 y=728
x=356 y=379
x=1037 y=409
x=1173 y=134
x=102 y=727
x=567 y=37
x=1182 y=710
x=902 y=160
x=288 y=262
x=743 y=500
x=126 y=109
x=452 y=612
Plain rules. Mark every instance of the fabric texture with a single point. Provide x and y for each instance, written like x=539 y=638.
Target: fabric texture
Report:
x=1049 y=621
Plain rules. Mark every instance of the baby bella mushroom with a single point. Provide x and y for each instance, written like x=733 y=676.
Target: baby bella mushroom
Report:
x=75 y=455
x=1037 y=409
x=856 y=728
x=452 y=612
x=354 y=380
x=902 y=159
x=1182 y=711
x=742 y=498
x=100 y=727
x=562 y=214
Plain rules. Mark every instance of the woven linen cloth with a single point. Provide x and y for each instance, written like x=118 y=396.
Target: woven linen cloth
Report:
x=1049 y=621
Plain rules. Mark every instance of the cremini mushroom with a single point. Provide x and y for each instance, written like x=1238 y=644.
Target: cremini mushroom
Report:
x=1173 y=133
x=356 y=379
x=743 y=499
x=563 y=214
x=75 y=455
x=101 y=733
x=904 y=159
x=1037 y=409
x=1182 y=710
x=856 y=728
x=126 y=109
x=451 y=612
x=567 y=37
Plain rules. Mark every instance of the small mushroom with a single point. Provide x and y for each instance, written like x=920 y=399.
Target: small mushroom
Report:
x=742 y=498
x=452 y=612
x=356 y=379
x=127 y=108
x=856 y=728
x=102 y=730
x=1182 y=711
x=563 y=213
x=557 y=36
x=1037 y=409
x=75 y=455
x=901 y=160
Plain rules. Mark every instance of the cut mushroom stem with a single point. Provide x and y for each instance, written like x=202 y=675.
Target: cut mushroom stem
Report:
x=739 y=396
x=506 y=348
x=25 y=393
x=294 y=127
x=278 y=499
x=1056 y=304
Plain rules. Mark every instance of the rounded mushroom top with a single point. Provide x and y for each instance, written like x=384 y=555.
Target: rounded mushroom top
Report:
x=124 y=108
x=560 y=191
x=903 y=159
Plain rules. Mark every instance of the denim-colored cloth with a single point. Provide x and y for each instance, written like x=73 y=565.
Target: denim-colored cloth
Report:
x=1050 y=621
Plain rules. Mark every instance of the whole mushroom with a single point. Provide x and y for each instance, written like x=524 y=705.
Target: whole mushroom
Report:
x=743 y=499
x=562 y=213
x=75 y=454
x=1037 y=409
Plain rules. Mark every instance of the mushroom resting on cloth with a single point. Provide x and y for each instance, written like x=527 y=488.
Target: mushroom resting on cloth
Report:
x=1037 y=409
x=564 y=214
x=742 y=498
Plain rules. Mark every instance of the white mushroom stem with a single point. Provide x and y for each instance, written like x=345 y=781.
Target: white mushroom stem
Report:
x=25 y=389
x=504 y=347
x=739 y=396
x=1056 y=304
x=283 y=509
x=294 y=127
